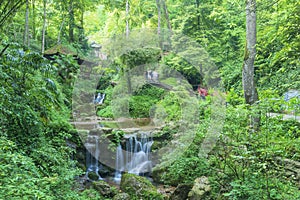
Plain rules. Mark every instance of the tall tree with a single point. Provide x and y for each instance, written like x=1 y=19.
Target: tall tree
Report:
x=62 y=23
x=127 y=17
x=165 y=8
x=44 y=26
x=127 y=35
x=250 y=92
x=33 y=20
x=26 y=28
x=71 y=21
x=158 y=17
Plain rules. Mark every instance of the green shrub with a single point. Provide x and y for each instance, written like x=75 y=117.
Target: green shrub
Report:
x=185 y=170
x=257 y=186
x=47 y=174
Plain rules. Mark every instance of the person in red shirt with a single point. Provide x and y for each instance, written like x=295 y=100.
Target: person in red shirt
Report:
x=202 y=92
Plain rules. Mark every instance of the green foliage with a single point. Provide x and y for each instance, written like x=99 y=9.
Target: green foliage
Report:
x=245 y=162
x=141 y=56
x=105 y=110
x=180 y=171
x=278 y=45
x=143 y=100
x=255 y=186
x=116 y=136
x=234 y=97
x=186 y=69
x=46 y=174
x=29 y=95
x=139 y=187
x=171 y=106
x=35 y=160
x=66 y=69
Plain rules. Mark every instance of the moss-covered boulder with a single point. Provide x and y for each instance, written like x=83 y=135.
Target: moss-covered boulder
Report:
x=200 y=189
x=139 y=187
x=157 y=173
x=93 y=176
x=181 y=192
x=122 y=196
x=104 y=189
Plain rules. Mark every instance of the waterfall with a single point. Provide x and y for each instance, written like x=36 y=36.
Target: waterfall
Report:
x=119 y=163
x=92 y=155
x=99 y=99
x=137 y=156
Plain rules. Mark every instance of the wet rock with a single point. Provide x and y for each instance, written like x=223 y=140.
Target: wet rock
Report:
x=100 y=131
x=93 y=176
x=139 y=187
x=104 y=189
x=181 y=192
x=200 y=189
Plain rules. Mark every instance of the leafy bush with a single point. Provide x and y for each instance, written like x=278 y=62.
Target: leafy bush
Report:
x=143 y=100
x=45 y=175
x=171 y=105
x=35 y=160
x=105 y=112
x=243 y=163
x=257 y=186
x=180 y=171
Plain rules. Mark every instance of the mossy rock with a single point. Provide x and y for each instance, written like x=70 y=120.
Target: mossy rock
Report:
x=93 y=176
x=122 y=196
x=200 y=189
x=157 y=173
x=157 y=145
x=104 y=189
x=181 y=192
x=139 y=187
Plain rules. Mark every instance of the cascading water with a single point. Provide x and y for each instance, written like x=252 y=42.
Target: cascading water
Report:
x=92 y=155
x=137 y=156
x=119 y=163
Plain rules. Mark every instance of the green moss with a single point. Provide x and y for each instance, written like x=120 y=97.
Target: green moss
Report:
x=139 y=187
x=105 y=189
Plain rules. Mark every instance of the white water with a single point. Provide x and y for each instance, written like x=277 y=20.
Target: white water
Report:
x=92 y=155
x=137 y=156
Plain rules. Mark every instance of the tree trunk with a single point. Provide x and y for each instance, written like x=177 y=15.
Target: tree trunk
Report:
x=127 y=35
x=71 y=22
x=167 y=15
x=33 y=20
x=81 y=37
x=62 y=24
x=26 y=28
x=44 y=27
x=198 y=14
x=250 y=92
x=159 y=31
x=127 y=17
x=60 y=30
x=158 y=17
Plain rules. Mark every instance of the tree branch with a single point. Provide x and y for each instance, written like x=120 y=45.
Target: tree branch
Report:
x=4 y=49
x=13 y=9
